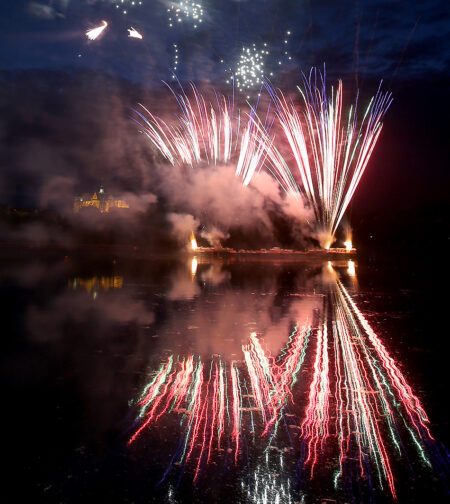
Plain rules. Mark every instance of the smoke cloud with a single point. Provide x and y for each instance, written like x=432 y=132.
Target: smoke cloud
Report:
x=62 y=136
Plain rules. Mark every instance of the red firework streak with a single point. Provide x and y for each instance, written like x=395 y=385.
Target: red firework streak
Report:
x=356 y=402
x=410 y=401
x=315 y=426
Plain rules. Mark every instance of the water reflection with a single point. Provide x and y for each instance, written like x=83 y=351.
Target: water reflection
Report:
x=353 y=412
x=94 y=284
x=262 y=377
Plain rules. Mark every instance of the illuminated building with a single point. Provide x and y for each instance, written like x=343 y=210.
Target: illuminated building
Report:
x=99 y=200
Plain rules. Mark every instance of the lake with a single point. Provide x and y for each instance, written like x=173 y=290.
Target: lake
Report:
x=194 y=379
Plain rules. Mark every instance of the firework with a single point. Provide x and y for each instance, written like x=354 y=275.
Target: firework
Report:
x=329 y=152
x=250 y=68
x=124 y=5
x=96 y=32
x=132 y=33
x=185 y=11
x=208 y=133
x=176 y=60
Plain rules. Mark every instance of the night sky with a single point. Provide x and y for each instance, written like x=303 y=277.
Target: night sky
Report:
x=65 y=101
x=397 y=41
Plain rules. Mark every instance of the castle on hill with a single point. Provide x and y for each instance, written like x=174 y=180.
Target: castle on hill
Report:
x=104 y=203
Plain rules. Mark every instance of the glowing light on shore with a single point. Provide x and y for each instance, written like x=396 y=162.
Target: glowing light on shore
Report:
x=96 y=32
x=193 y=242
x=348 y=245
x=132 y=33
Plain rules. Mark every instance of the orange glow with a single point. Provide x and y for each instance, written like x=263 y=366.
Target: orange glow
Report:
x=348 y=244
x=194 y=265
x=351 y=269
x=193 y=242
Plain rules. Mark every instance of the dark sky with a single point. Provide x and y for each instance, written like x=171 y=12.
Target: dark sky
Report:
x=393 y=40
x=65 y=101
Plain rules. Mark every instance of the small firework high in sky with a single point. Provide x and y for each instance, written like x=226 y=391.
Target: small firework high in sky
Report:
x=250 y=68
x=125 y=5
x=185 y=11
x=256 y=63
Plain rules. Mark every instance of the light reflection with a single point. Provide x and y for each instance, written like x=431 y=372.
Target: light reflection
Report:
x=351 y=269
x=194 y=265
x=96 y=283
x=350 y=400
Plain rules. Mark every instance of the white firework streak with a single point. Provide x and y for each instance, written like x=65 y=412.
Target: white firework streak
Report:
x=96 y=32
x=330 y=155
x=208 y=133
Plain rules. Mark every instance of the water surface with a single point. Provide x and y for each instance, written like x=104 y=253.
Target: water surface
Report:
x=195 y=380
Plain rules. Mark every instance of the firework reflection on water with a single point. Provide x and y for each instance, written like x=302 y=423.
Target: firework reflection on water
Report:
x=333 y=403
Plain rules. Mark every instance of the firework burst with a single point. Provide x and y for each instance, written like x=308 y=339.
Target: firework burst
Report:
x=124 y=5
x=250 y=68
x=209 y=133
x=186 y=10
x=330 y=152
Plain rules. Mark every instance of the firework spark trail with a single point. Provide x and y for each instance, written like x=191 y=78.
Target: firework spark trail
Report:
x=284 y=375
x=367 y=384
x=221 y=406
x=180 y=396
x=255 y=382
x=155 y=399
x=315 y=426
x=194 y=409
x=330 y=155
x=409 y=400
x=202 y=420
x=209 y=133
x=380 y=384
x=432 y=453
x=152 y=390
x=96 y=32
x=235 y=435
x=361 y=427
x=133 y=33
